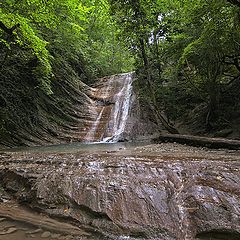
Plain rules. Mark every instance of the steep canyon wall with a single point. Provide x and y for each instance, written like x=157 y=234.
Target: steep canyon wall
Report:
x=75 y=112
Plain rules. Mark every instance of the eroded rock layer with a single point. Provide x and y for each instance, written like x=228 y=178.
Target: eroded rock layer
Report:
x=107 y=111
x=165 y=191
x=117 y=112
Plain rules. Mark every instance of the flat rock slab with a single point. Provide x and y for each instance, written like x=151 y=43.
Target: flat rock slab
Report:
x=160 y=191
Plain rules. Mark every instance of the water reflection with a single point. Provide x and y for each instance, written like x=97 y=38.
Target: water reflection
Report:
x=94 y=147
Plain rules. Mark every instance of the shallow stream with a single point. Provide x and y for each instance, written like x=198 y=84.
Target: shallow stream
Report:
x=94 y=147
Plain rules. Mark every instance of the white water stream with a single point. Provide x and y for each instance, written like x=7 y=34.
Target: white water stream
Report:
x=110 y=122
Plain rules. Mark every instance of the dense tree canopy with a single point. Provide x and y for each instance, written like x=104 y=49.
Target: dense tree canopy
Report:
x=77 y=27
x=188 y=51
x=185 y=53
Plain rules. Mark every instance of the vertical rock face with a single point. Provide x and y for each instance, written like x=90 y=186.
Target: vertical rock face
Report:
x=109 y=111
x=140 y=122
x=117 y=112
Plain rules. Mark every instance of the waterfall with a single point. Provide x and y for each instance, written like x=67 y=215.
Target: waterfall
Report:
x=91 y=133
x=112 y=102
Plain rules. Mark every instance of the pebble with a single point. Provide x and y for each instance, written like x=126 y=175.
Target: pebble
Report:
x=10 y=230
x=46 y=235
x=55 y=235
x=34 y=231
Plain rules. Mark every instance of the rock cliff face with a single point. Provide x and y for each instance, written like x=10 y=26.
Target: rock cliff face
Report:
x=140 y=124
x=165 y=191
x=75 y=112
x=118 y=115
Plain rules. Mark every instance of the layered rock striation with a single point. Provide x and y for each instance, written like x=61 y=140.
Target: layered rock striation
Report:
x=165 y=191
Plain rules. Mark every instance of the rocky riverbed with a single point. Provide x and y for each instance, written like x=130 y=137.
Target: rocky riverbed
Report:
x=157 y=191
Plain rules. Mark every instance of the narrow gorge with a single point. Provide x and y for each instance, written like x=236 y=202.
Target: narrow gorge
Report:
x=119 y=120
x=108 y=111
x=100 y=188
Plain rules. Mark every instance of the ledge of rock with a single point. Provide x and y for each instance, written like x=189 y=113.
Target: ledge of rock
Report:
x=162 y=191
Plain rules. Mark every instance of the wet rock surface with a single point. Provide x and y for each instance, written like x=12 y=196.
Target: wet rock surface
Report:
x=161 y=191
x=139 y=126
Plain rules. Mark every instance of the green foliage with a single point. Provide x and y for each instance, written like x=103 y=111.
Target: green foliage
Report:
x=184 y=51
x=81 y=28
x=108 y=54
x=28 y=36
x=190 y=50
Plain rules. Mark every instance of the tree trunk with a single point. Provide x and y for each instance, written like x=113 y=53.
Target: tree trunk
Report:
x=213 y=92
x=157 y=54
x=199 y=141
x=154 y=106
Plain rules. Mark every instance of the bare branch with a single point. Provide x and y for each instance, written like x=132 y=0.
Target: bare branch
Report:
x=233 y=80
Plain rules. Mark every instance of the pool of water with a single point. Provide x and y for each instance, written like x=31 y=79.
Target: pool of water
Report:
x=94 y=147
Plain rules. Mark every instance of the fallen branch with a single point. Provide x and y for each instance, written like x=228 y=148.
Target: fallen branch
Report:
x=200 y=141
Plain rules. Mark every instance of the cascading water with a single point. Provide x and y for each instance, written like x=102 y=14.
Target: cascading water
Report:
x=112 y=103
x=90 y=135
x=119 y=113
